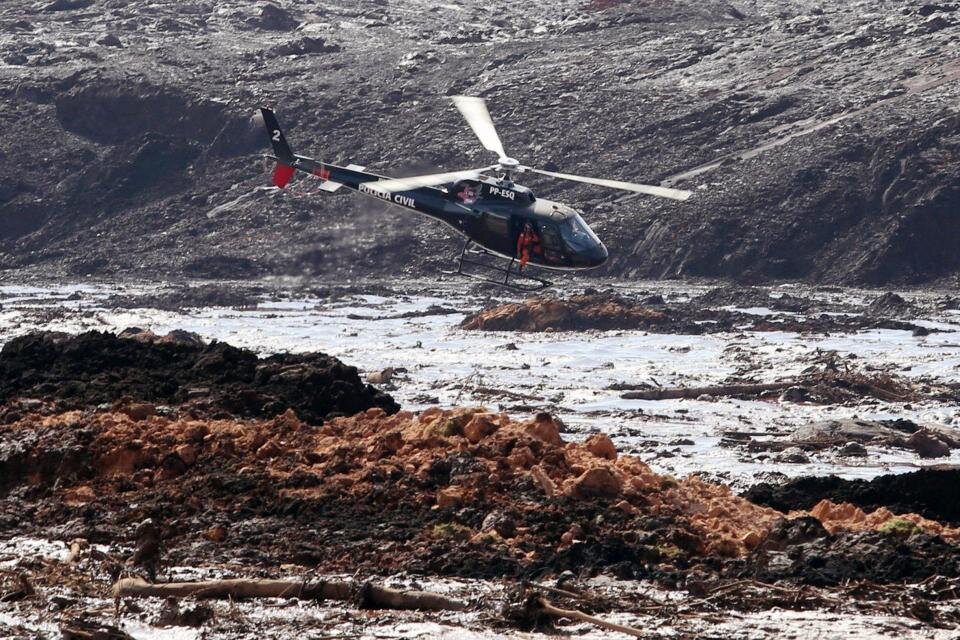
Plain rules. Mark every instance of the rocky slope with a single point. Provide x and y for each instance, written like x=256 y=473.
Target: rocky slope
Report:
x=821 y=138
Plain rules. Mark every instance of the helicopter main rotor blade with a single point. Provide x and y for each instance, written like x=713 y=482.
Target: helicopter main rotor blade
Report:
x=662 y=192
x=392 y=185
x=474 y=111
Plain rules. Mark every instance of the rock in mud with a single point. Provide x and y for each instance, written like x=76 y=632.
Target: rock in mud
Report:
x=928 y=441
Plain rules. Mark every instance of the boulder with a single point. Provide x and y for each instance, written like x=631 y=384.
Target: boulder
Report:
x=927 y=444
x=450 y=497
x=597 y=482
x=545 y=428
x=139 y=411
x=601 y=446
x=480 y=426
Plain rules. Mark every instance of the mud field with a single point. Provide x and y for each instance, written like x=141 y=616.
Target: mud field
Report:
x=686 y=460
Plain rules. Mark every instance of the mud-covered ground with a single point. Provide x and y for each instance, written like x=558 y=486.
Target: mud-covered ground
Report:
x=819 y=138
x=675 y=514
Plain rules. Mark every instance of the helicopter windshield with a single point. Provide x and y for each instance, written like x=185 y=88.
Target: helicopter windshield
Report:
x=577 y=234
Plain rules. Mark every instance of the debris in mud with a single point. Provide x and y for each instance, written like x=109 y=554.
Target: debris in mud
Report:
x=606 y=311
x=928 y=441
x=185 y=297
x=831 y=380
x=891 y=305
x=95 y=368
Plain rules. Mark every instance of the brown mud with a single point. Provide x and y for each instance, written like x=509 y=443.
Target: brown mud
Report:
x=604 y=311
x=457 y=492
x=93 y=453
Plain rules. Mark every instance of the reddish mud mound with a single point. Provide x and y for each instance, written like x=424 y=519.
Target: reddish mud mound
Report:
x=577 y=313
x=94 y=368
x=462 y=492
x=609 y=311
x=932 y=493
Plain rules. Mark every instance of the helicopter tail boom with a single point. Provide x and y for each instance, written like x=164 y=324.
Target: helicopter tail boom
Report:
x=285 y=157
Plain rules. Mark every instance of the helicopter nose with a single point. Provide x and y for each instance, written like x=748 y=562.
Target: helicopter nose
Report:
x=598 y=255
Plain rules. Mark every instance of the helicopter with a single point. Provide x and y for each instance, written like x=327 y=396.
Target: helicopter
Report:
x=496 y=216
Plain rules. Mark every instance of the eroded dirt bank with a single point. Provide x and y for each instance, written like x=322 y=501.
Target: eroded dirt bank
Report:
x=819 y=137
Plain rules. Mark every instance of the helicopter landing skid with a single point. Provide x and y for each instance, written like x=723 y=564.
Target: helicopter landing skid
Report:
x=521 y=281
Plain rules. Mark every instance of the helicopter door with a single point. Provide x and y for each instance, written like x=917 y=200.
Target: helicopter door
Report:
x=496 y=232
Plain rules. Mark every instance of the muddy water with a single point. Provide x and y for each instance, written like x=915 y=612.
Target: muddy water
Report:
x=414 y=331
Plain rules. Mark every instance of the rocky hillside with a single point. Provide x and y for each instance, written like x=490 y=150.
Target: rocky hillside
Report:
x=822 y=139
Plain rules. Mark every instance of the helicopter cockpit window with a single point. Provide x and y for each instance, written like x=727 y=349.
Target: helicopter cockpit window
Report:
x=577 y=234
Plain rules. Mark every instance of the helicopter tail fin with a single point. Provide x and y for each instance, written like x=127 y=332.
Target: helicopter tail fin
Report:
x=285 y=157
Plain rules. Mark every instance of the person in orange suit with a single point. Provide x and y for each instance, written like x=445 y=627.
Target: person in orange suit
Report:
x=527 y=243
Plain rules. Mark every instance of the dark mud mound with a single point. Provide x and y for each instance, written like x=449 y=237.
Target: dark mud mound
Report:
x=891 y=305
x=872 y=556
x=745 y=297
x=94 y=368
x=186 y=297
x=610 y=311
x=931 y=493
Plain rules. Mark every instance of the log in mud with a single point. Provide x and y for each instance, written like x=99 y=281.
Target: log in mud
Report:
x=366 y=595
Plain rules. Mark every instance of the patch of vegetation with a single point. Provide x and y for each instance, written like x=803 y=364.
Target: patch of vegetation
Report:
x=452 y=531
x=900 y=527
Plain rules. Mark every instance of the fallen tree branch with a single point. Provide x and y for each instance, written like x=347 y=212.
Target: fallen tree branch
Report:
x=824 y=385
x=368 y=595
x=696 y=392
x=573 y=614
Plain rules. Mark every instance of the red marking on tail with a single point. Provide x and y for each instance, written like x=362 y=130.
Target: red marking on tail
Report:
x=282 y=175
x=323 y=173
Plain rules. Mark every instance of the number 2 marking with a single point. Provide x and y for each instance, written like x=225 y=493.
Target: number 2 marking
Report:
x=276 y=135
